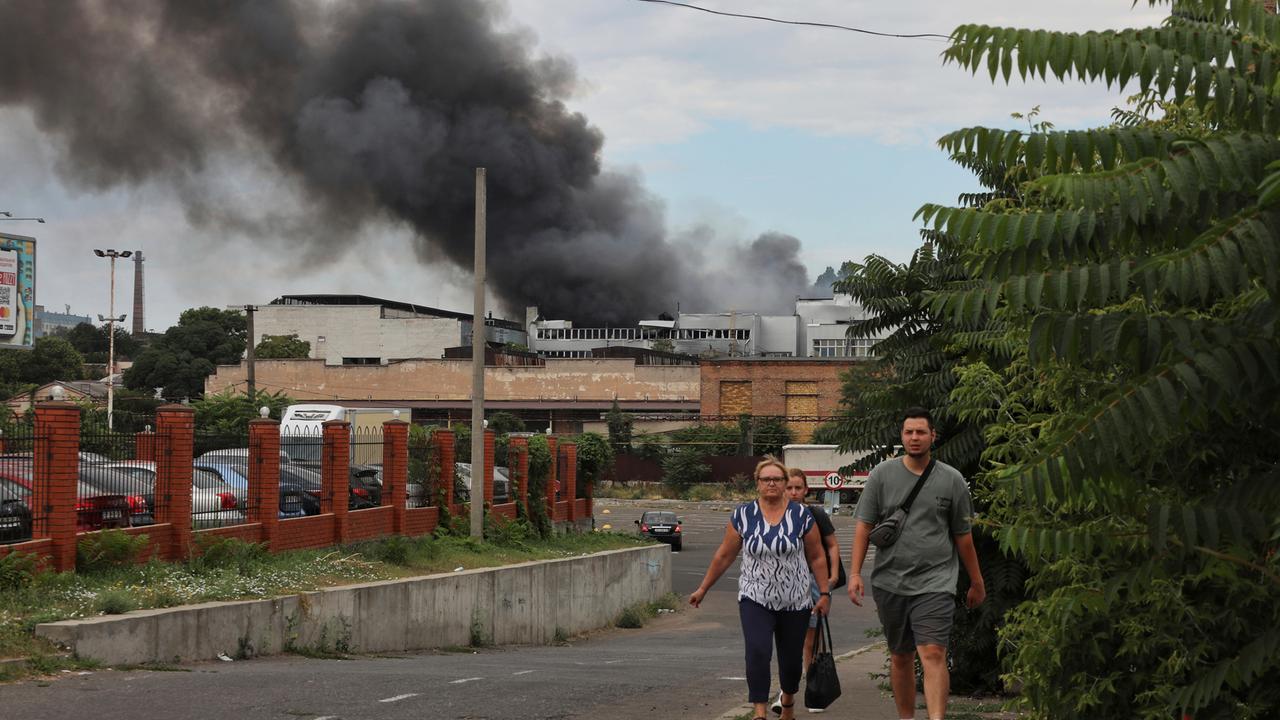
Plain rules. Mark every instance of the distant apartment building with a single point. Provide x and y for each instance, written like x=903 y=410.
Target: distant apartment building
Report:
x=818 y=328
x=363 y=330
x=51 y=323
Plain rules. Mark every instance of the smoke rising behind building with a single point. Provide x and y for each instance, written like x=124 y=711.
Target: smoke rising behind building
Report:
x=373 y=112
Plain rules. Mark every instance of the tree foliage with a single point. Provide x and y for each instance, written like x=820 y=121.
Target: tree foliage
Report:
x=179 y=361
x=49 y=359
x=273 y=347
x=229 y=412
x=1098 y=329
x=619 y=424
x=94 y=342
x=595 y=458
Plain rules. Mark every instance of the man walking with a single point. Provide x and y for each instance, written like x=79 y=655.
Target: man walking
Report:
x=914 y=579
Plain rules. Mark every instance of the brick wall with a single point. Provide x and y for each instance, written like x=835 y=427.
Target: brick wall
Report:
x=761 y=387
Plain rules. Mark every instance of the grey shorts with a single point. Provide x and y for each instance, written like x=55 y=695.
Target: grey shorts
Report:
x=912 y=620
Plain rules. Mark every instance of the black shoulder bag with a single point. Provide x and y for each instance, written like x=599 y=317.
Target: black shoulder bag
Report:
x=822 y=683
x=887 y=531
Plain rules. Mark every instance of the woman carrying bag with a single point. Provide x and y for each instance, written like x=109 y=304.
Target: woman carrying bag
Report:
x=797 y=488
x=781 y=552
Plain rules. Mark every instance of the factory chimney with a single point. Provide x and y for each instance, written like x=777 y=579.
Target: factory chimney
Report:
x=139 y=325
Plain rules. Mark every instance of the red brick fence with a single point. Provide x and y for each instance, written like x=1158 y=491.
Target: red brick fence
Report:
x=55 y=456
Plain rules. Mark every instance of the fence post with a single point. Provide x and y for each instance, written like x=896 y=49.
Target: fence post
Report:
x=395 y=470
x=518 y=463
x=144 y=446
x=335 y=466
x=553 y=477
x=571 y=479
x=54 y=475
x=444 y=440
x=487 y=468
x=175 y=445
x=264 y=476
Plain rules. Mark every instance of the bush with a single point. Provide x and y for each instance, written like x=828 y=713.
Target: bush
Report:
x=108 y=550
x=222 y=553
x=115 y=602
x=631 y=618
x=17 y=570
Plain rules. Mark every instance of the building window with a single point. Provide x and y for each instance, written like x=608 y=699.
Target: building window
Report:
x=842 y=347
x=361 y=361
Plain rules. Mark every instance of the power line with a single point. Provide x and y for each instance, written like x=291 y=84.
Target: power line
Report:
x=780 y=21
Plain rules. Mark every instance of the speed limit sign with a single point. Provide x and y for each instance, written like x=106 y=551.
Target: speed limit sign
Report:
x=834 y=481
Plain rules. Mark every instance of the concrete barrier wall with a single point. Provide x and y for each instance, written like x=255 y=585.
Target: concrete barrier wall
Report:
x=516 y=604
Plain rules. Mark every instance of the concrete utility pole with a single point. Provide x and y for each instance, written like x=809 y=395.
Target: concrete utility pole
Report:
x=249 y=356
x=477 y=368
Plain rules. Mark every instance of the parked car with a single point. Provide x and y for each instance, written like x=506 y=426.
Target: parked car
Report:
x=213 y=502
x=462 y=484
x=235 y=455
x=366 y=483
x=15 y=512
x=311 y=482
x=96 y=479
x=291 y=503
x=663 y=526
x=95 y=510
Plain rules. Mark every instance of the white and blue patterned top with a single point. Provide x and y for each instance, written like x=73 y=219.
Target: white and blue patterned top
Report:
x=775 y=571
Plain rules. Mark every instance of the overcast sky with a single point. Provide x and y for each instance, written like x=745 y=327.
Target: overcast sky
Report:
x=740 y=127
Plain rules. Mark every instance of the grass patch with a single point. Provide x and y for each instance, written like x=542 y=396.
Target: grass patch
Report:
x=635 y=616
x=235 y=570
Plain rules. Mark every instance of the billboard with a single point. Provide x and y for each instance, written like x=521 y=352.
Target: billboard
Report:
x=17 y=290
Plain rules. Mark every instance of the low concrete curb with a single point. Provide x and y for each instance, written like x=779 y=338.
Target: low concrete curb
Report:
x=529 y=603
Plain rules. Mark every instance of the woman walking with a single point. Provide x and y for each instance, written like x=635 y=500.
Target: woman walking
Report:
x=781 y=552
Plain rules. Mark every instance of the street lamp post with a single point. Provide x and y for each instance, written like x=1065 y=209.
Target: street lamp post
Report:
x=111 y=329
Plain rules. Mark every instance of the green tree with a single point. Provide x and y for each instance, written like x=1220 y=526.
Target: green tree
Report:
x=94 y=342
x=663 y=345
x=282 y=347
x=1140 y=275
x=619 y=424
x=503 y=423
x=49 y=359
x=595 y=458
x=229 y=412
x=187 y=353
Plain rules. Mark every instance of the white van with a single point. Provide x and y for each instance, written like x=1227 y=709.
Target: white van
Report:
x=302 y=429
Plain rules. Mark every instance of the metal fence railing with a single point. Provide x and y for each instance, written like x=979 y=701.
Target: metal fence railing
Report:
x=20 y=517
x=424 y=471
x=219 y=478
x=114 y=488
x=366 y=467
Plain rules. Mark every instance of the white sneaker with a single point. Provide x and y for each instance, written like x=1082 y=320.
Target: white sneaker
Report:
x=776 y=707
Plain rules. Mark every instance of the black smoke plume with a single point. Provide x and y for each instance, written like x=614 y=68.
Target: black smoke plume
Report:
x=376 y=110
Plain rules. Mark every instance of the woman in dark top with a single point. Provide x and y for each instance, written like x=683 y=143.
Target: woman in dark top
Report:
x=797 y=488
x=781 y=552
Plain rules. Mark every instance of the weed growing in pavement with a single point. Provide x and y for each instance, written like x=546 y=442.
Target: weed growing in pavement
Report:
x=635 y=616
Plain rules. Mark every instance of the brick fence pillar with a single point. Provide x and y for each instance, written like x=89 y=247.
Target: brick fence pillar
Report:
x=175 y=444
x=335 y=467
x=395 y=470
x=444 y=440
x=518 y=462
x=264 y=476
x=54 y=478
x=490 y=438
x=570 y=451
x=144 y=446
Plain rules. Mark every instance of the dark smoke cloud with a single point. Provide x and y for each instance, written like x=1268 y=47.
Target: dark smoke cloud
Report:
x=376 y=110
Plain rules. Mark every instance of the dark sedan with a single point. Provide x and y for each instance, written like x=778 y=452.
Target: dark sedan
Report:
x=662 y=526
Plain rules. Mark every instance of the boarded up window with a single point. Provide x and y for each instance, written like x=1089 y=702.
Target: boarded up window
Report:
x=802 y=408
x=735 y=397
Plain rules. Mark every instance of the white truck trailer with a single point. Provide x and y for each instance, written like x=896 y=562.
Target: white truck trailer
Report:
x=302 y=428
x=822 y=470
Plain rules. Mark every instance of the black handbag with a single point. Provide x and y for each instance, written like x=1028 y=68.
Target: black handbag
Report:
x=887 y=531
x=822 y=684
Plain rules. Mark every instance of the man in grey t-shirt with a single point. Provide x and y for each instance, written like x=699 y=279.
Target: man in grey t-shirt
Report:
x=914 y=579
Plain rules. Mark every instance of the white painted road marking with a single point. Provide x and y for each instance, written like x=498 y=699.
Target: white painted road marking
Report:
x=464 y=680
x=398 y=698
x=738 y=679
x=524 y=672
x=327 y=717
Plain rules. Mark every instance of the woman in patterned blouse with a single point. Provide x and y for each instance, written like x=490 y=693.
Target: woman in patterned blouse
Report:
x=781 y=552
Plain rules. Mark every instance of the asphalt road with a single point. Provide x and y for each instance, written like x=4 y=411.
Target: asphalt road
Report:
x=686 y=664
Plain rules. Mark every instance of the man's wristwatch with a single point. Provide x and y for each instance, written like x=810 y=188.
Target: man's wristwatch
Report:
x=825 y=593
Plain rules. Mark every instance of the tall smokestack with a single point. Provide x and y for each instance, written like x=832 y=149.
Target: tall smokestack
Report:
x=139 y=325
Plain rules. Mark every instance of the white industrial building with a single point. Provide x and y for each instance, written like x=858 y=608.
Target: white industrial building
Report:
x=818 y=328
x=362 y=330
